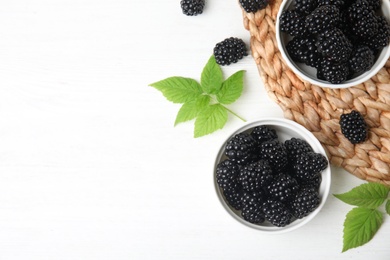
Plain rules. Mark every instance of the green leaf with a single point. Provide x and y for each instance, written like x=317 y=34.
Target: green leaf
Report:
x=388 y=207
x=190 y=110
x=231 y=88
x=368 y=195
x=211 y=77
x=360 y=226
x=179 y=89
x=210 y=119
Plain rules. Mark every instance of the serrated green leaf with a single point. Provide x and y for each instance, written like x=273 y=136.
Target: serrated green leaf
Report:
x=360 y=226
x=388 y=207
x=179 y=89
x=368 y=195
x=190 y=110
x=211 y=77
x=231 y=88
x=210 y=119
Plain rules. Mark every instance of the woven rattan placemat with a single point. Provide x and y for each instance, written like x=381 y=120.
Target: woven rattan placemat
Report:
x=319 y=109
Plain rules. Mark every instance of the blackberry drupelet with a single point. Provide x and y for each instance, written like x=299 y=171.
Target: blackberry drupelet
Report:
x=335 y=73
x=255 y=176
x=230 y=51
x=295 y=147
x=305 y=6
x=322 y=18
x=239 y=149
x=252 y=6
x=363 y=20
x=304 y=202
x=353 y=127
x=252 y=207
x=227 y=174
x=293 y=23
x=283 y=188
x=304 y=50
x=277 y=213
x=382 y=38
x=334 y=45
x=192 y=7
x=308 y=165
x=263 y=133
x=361 y=60
x=275 y=153
x=337 y=3
x=233 y=195
x=374 y=4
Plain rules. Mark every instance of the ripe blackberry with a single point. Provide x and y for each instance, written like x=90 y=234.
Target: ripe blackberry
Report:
x=334 y=45
x=337 y=3
x=263 y=133
x=304 y=50
x=363 y=20
x=252 y=207
x=308 y=165
x=277 y=213
x=361 y=60
x=229 y=51
x=322 y=18
x=353 y=127
x=255 y=175
x=192 y=7
x=312 y=184
x=304 y=202
x=293 y=23
x=295 y=147
x=227 y=173
x=382 y=38
x=233 y=195
x=275 y=153
x=283 y=188
x=305 y=6
x=374 y=4
x=335 y=73
x=252 y=6
x=239 y=149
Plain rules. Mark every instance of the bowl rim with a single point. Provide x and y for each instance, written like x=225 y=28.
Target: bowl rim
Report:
x=326 y=174
x=378 y=65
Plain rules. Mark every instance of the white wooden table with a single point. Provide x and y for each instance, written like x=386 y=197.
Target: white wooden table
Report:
x=91 y=166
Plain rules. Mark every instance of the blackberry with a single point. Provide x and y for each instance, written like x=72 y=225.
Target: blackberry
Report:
x=227 y=173
x=295 y=147
x=322 y=18
x=239 y=149
x=361 y=60
x=308 y=165
x=275 y=153
x=192 y=7
x=374 y=4
x=337 y=3
x=252 y=6
x=334 y=45
x=353 y=127
x=304 y=202
x=233 y=195
x=304 y=50
x=363 y=20
x=255 y=175
x=277 y=213
x=263 y=133
x=229 y=51
x=283 y=188
x=312 y=184
x=305 y=6
x=335 y=73
x=293 y=23
x=252 y=207
x=382 y=38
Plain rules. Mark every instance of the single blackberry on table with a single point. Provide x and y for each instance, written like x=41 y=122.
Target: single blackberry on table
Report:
x=252 y=6
x=192 y=7
x=363 y=20
x=233 y=195
x=275 y=153
x=322 y=18
x=308 y=165
x=362 y=59
x=353 y=127
x=239 y=149
x=382 y=38
x=304 y=202
x=304 y=50
x=295 y=147
x=252 y=207
x=230 y=51
x=334 y=45
x=255 y=176
x=263 y=133
x=283 y=188
x=305 y=6
x=227 y=173
x=293 y=23
x=335 y=73
x=277 y=213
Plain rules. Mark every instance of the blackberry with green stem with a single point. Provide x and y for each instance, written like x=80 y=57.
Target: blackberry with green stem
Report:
x=229 y=51
x=192 y=7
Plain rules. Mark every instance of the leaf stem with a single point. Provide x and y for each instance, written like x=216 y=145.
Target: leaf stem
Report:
x=230 y=111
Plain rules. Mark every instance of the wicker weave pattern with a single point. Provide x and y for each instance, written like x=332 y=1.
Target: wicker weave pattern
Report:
x=319 y=109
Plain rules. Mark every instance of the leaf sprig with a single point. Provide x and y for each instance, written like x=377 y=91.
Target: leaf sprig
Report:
x=363 y=221
x=205 y=101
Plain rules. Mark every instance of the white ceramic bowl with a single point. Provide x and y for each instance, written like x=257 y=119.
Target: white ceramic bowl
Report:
x=286 y=129
x=309 y=73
